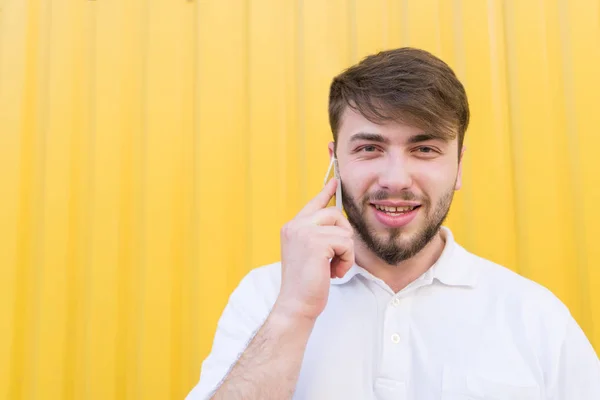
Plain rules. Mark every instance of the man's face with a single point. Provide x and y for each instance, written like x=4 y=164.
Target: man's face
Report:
x=398 y=183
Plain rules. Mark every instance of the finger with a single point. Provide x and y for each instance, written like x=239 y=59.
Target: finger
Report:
x=321 y=200
x=342 y=253
x=329 y=216
x=331 y=230
x=339 y=268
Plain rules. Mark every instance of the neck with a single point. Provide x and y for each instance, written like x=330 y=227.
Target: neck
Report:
x=397 y=277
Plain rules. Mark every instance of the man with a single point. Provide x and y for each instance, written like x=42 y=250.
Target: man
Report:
x=385 y=304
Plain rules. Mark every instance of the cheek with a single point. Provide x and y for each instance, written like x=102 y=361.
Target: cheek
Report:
x=358 y=179
x=435 y=181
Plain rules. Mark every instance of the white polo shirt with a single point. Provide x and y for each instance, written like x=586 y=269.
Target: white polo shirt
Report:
x=466 y=329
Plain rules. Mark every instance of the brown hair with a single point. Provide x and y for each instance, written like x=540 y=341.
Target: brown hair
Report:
x=405 y=84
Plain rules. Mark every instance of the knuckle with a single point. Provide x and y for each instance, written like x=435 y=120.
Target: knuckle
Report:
x=288 y=230
x=346 y=233
x=334 y=212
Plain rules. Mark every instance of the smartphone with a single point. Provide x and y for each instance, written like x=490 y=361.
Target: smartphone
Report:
x=333 y=164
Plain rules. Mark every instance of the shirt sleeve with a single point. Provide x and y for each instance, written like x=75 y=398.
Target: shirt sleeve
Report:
x=578 y=372
x=243 y=315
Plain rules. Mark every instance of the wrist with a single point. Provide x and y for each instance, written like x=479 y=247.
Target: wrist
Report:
x=289 y=314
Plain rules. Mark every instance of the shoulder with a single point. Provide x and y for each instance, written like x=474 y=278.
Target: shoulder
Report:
x=540 y=324
x=251 y=301
x=537 y=319
x=259 y=287
x=266 y=278
x=522 y=299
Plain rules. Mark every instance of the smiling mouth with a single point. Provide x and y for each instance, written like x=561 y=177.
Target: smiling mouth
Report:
x=395 y=211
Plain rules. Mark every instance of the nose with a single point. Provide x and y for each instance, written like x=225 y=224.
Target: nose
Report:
x=395 y=176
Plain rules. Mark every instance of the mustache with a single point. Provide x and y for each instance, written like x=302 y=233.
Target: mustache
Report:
x=386 y=195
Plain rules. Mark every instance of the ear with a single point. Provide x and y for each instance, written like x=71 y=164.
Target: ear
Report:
x=331 y=147
x=458 y=183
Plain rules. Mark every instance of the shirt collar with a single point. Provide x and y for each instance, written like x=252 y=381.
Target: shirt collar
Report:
x=455 y=265
x=453 y=268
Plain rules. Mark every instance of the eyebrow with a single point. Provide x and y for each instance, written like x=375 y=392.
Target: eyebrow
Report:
x=370 y=137
x=375 y=137
x=424 y=137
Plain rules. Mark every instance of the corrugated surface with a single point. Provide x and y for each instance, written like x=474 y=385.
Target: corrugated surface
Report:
x=151 y=150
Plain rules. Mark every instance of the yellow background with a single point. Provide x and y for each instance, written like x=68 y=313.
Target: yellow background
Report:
x=151 y=150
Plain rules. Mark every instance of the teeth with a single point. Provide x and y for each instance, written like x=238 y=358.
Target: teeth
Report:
x=394 y=209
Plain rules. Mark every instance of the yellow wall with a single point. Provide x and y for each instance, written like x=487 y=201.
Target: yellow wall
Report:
x=151 y=150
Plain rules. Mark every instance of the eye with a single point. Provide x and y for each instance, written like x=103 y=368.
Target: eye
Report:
x=426 y=152
x=368 y=148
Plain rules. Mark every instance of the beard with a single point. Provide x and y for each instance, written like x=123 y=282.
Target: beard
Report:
x=394 y=248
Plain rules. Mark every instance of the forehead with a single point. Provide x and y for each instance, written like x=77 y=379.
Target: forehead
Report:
x=352 y=122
